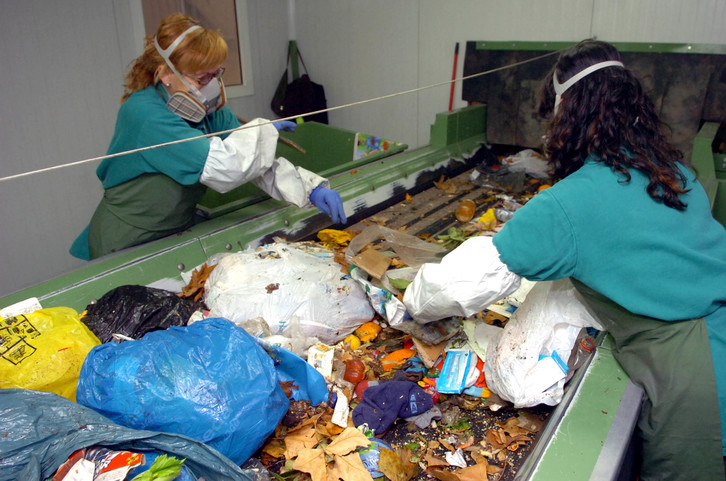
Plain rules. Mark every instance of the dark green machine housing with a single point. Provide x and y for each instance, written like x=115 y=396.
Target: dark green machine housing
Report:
x=709 y=161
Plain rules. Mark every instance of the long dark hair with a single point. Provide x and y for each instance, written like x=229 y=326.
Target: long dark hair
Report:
x=608 y=116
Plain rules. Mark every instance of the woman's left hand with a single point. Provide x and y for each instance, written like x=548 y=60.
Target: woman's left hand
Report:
x=329 y=202
x=285 y=125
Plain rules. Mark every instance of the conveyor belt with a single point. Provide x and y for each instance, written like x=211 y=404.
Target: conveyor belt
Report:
x=432 y=212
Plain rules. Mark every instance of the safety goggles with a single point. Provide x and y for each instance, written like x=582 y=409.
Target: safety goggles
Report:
x=207 y=77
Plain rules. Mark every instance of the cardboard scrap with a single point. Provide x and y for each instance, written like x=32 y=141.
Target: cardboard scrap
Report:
x=373 y=262
x=428 y=353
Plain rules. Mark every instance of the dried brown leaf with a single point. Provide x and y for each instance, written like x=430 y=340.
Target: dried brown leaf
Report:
x=444 y=475
x=275 y=448
x=432 y=461
x=446 y=444
x=348 y=468
x=347 y=441
x=497 y=438
x=410 y=469
x=478 y=472
x=312 y=461
x=479 y=458
x=530 y=422
x=311 y=421
x=195 y=288
x=390 y=465
x=287 y=387
x=333 y=429
x=512 y=427
x=299 y=440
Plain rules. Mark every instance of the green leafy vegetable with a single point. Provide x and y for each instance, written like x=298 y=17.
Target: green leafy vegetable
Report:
x=165 y=468
x=453 y=238
x=400 y=284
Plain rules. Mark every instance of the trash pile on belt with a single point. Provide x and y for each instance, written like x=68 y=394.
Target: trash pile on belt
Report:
x=297 y=359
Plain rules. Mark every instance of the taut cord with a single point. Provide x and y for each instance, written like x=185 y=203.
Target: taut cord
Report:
x=352 y=104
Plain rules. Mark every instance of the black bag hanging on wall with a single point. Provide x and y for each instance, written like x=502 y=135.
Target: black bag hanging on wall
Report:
x=300 y=96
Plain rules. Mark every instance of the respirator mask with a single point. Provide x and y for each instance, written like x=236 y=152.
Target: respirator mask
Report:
x=562 y=88
x=196 y=103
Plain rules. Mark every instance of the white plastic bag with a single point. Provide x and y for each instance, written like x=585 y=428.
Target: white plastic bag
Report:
x=283 y=284
x=529 y=162
x=519 y=364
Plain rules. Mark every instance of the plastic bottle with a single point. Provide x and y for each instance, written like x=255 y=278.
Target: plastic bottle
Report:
x=510 y=204
x=465 y=210
x=503 y=215
x=583 y=348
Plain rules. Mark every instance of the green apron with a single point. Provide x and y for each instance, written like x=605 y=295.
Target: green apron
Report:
x=148 y=207
x=679 y=427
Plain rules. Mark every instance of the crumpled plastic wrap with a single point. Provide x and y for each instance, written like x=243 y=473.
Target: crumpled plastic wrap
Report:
x=410 y=249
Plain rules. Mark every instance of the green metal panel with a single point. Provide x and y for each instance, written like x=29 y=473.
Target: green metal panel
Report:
x=458 y=125
x=578 y=440
x=80 y=287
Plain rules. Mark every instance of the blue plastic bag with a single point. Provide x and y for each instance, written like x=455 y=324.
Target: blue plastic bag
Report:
x=210 y=381
x=309 y=384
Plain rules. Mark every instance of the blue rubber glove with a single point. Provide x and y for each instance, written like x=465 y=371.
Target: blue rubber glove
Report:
x=285 y=125
x=329 y=202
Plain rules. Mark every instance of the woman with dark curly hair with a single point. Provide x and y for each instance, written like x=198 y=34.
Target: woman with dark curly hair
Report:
x=631 y=226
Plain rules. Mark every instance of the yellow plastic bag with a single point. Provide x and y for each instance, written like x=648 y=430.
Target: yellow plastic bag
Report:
x=44 y=351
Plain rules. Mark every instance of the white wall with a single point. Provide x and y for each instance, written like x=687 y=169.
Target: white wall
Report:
x=63 y=65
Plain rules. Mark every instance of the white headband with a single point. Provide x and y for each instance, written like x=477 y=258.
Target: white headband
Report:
x=562 y=88
x=166 y=52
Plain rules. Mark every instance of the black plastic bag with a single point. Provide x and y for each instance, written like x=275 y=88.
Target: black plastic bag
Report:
x=135 y=310
x=300 y=96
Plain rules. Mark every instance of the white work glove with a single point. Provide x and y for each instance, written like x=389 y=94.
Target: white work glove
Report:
x=466 y=281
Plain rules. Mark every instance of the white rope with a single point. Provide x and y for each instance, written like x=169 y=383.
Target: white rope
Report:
x=353 y=104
